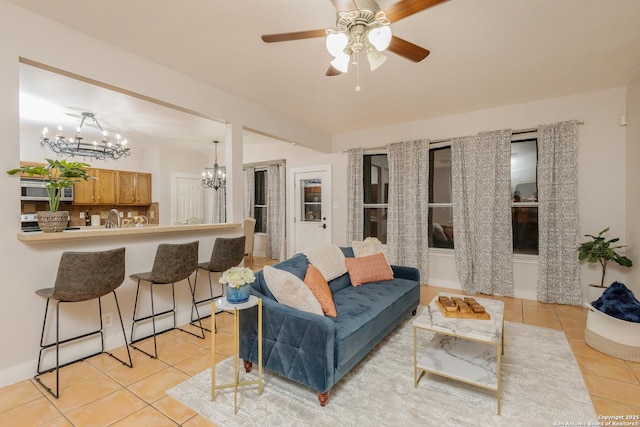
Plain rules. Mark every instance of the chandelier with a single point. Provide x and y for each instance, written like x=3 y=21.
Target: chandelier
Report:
x=359 y=31
x=76 y=146
x=214 y=177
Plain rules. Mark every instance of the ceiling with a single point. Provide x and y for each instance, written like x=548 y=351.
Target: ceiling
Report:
x=484 y=53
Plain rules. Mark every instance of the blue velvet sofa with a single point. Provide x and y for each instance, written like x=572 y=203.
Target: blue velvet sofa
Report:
x=315 y=350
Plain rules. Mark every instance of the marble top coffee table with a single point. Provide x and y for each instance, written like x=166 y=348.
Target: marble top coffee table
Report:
x=466 y=350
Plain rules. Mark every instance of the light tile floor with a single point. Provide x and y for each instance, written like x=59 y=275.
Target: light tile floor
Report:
x=102 y=392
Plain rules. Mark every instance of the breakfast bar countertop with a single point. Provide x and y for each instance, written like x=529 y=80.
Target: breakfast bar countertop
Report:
x=102 y=232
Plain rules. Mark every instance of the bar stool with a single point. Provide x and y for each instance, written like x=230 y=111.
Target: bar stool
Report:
x=82 y=276
x=172 y=263
x=227 y=252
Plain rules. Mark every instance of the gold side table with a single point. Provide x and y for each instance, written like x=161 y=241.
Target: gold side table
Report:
x=223 y=304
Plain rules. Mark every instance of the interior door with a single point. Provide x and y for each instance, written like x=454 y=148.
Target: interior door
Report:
x=312 y=207
x=188 y=199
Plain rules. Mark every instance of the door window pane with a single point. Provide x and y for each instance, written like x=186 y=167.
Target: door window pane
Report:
x=311 y=200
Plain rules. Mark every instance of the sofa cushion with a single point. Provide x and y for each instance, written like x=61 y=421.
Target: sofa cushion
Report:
x=370 y=246
x=290 y=290
x=329 y=259
x=320 y=289
x=297 y=265
x=364 y=311
x=372 y=268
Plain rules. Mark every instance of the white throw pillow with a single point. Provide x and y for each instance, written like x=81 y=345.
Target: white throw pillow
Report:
x=290 y=290
x=370 y=246
x=329 y=259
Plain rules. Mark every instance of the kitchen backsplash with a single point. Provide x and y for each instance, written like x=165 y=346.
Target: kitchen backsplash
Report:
x=151 y=212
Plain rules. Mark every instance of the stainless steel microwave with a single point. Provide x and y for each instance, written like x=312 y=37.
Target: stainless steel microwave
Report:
x=36 y=190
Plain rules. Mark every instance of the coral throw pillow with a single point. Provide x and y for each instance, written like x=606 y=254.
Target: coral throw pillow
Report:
x=290 y=290
x=367 y=269
x=320 y=289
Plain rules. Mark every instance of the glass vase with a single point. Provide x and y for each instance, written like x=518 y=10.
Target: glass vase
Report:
x=238 y=295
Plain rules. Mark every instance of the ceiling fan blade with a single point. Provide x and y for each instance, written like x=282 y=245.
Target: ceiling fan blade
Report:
x=332 y=71
x=298 y=35
x=343 y=5
x=404 y=8
x=407 y=49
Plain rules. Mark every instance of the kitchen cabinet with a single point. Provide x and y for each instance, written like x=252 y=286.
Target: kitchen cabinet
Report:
x=134 y=188
x=98 y=191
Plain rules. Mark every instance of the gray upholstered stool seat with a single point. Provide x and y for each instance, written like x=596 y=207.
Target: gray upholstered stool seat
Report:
x=82 y=276
x=172 y=263
x=227 y=252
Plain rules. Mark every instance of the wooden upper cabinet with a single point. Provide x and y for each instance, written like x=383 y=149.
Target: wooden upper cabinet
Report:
x=112 y=187
x=23 y=164
x=98 y=191
x=105 y=186
x=83 y=191
x=134 y=188
x=126 y=188
x=143 y=189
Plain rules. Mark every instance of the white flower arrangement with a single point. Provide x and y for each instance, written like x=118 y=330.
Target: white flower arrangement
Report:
x=237 y=276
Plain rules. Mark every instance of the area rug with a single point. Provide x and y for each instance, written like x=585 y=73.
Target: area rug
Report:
x=541 y=384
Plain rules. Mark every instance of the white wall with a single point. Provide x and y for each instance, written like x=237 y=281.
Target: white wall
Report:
x=601 y=154
x=633 y=179
x=27 y=267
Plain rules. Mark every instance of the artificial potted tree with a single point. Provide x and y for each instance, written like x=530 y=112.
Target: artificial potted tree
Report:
x=599 y=249
x=57 y=174
x=608 y=334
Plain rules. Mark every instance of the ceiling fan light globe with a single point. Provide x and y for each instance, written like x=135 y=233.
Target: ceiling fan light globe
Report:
x=380 y=37
x=376 y=59
x=336 y=42
x=341 y=63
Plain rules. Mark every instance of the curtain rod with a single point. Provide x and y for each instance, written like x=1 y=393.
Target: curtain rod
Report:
x=440 y=141
x=265 y=163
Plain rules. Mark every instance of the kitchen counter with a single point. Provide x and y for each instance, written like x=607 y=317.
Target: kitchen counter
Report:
x=102 y=232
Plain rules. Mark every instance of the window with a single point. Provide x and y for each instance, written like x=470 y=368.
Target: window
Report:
x=440 y=198
x=524 y=190
x=260 y=200
x=376 y=196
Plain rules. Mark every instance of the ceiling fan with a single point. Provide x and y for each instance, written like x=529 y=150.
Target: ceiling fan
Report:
x=363 y=28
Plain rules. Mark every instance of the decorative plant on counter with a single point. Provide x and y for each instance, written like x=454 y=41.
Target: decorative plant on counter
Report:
x=598 y=249
x=58 y=174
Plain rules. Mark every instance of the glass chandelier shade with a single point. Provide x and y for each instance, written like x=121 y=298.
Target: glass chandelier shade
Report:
x=214 y=177
x=75 y=146
x=371 y=40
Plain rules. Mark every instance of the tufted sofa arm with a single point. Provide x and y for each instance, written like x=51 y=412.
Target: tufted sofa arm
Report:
x=408 y=273
x=296 y=344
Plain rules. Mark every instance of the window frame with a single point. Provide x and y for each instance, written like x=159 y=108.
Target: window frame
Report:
x=263 y=207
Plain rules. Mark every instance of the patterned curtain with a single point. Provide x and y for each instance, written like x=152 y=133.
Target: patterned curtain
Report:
x=408 y=212
x=219 y=205
x=481 y=181
x=249 y=192
x=558 y=277
x=355 y=190
x=275 y=211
